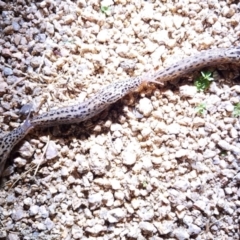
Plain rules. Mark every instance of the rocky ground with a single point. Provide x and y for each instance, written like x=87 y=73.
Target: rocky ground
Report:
x=160 y=164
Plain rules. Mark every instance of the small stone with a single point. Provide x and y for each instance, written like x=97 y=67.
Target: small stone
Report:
x=10 y=199
x=145 y=107
x=181 y=234
x=116 y=215
x=64 y=171
x=7 y=71
x=147 y=227
x=26 y=150
x=43 y=212
x=198 y=122
x=209 y=154
x=33 y=210
x=181 y=153
x=200 y=205
x=104 y=35
x=174 y=128
x=27 y=201
x=51 y=151
x=116 y=185
x=68 y=19
x=96 y=229
x=224 y=145
x=193 y=229
x=15 y=26
x=6 y=52
x=18 y=214
x=95 y=200
x=41 y=226
x=8 y=30
x=188 y=91
x=49 y=28
x=49 y=224
x=36 y=62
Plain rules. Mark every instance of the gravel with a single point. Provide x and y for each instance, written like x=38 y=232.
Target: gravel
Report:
x=151 y=166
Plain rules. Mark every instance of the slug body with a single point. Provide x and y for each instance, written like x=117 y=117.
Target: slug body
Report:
x=91 y=107
x=197 y=61
x=8 y=141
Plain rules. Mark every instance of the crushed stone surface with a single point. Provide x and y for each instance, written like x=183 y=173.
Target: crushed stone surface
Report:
x=150 y=167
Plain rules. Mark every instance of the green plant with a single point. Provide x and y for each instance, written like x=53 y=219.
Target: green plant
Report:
x=105 y=10
x=236 y=110
x=201 y=108
x=203 y=82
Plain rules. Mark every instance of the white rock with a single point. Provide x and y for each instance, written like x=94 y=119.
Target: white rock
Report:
x=194 y=229
x=181 y=153
x=209 y=153
x=181 y=234
x=104 y=35
x=33 y=210
x=224 y=145
x=116 y=185
x=49 y=28
x=145 y=107
x=200 y=204
x=26 y=150
x=198 y=122
x=174 y=128
x=188 y=91
x=96 y=229
x=116 y=215
x=95 y=200
x=147 y=227
x=51 y=151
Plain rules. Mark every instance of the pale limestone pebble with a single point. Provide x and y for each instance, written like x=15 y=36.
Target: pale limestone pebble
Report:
x=145 y=106
x=103 y=182
x=108 y=199
x=180 y=234
x=27 y=201
x=209 y=154
x=147 y=227
x=173 y=128
x=96 y=229
x=188 y=91
x=34 y=209
x=181 y=153
x=26 y=150
x=164 y=227
x=49 y=28
x=130 y=153
x=147 y=162
x=198 y=122
x=105 y=35
x=145 y=213
x=95 y=200
x=7 y=71
x=20 y=162
x=51 y=151
x=116 y=215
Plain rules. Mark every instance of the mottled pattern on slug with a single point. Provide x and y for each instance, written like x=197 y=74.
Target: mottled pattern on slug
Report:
x=8 y=141
x=91 y=107
x=200 y=60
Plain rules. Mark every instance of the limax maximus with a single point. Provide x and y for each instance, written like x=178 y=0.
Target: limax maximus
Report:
x=110 y=94
x=200 y=60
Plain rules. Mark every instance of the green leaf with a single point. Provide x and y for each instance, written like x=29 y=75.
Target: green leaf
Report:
x=203 y=82
x=236 y=110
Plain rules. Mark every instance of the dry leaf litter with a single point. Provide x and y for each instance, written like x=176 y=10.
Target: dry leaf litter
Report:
x=150 y=167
